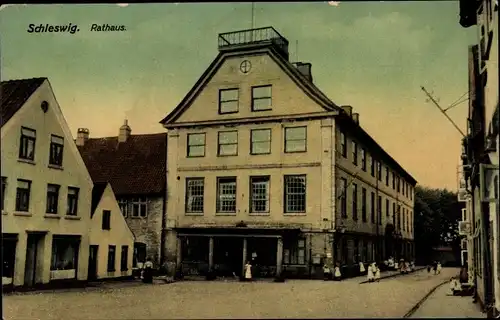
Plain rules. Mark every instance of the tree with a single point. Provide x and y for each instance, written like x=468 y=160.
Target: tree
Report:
x=437 y=213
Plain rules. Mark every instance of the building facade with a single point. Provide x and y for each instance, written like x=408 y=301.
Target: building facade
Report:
x=255 y=173
x=135 y=166
x=481 y=153
x=111 y=240
x=46 y=189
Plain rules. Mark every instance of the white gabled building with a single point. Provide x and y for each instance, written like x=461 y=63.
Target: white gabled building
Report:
x=46 y=189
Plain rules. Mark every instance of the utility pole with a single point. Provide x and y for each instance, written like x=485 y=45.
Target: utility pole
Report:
x=442 y=111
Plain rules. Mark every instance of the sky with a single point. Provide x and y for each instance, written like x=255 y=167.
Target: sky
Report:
x=374 y=56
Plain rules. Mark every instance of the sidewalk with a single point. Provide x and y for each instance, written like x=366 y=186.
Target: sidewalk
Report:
x=443 y=305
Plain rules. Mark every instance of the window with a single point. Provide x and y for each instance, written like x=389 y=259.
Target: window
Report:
x=379 y=210
x=111 y=258
x=195 y=188
x=2 y=195
x=52 y=198
x=393 y=181
x=379 y=170
x=343 y=197
x=355 y=201
x=399 y=218
x=259 y=193
x=23 y=195
x=363 y=204
x=372 y=209
x=123 y=204
x=295 y=139
x=372 y=167
x=196 y=145
x=72 y=209
x=227 y=143
x=139 y=207
x=343 y=145
x=411 y=192
x=387 y=173
x=294 y=252
x=27 y=144
x=363 y=159
x=394 y=214
x=106 y=220
x=406 y=187
x=387 y=207
x=261 y=98
x=64 y=253
x=403 y=187
x=124 y=259
x=404 y=219
x=260 y=140
x=295 y=193
x=226 y=195
x=56 y=150
x=354 y=153
x=228 y=100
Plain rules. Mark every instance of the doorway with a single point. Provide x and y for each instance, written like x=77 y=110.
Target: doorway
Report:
x=93 y=258
x=32 y=266
x=228 y=256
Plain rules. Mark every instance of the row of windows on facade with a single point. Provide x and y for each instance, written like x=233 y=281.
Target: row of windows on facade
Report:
x=364 y=251
x=134 y=207
x=398 y=183
x=28 y=142
x=260 y=142
x=229 y=99
x=294 y=194
x=401 y=218
x=23 y=195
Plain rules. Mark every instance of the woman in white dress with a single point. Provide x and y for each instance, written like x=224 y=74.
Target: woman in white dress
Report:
x=377 y=272
x=337 y=275
x=371 y=272
x=248 y=271
x=439 y=267
x=362 y=269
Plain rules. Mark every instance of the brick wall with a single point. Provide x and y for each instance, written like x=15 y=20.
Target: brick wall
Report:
x=148 y=230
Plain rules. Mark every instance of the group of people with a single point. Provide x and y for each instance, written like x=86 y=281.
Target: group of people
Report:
x=373 y=273
x=335 y=275
x=146 y=270
x=435 y=266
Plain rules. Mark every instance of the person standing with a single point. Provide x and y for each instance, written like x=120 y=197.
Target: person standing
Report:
x=148 y=271
x=248 y=271
x=438 y=267
x=362 y=269
x=371 y=272
x=434 y=267
x=327 y=274
x=377 y=273
x=337 y=275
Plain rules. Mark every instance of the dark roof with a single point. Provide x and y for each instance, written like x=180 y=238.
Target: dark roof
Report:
x=286 y=65
x=134 y=167
x=14 y=94
x=97 y=192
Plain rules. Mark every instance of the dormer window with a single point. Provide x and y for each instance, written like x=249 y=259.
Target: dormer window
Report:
x=228 y=100
x=262 y=98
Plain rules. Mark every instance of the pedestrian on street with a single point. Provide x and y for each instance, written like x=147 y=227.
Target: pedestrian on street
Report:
x=377 y=273
x=434 y=267
x=429 y=268
x=337 y=275
x=362 y=269
x=438 y=268
x=248 y=271
x=148 y=271
x=327 y=274
x=371 y=272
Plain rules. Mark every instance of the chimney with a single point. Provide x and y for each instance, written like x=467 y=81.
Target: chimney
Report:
x=82 y=135
x=355 y=117
x=124 y=132
x=347 y=109
x=305 y=69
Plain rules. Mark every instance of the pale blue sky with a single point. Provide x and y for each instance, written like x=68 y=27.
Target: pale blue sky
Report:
x=371 y=55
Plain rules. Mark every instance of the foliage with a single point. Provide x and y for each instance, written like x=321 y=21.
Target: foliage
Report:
x=437 y=213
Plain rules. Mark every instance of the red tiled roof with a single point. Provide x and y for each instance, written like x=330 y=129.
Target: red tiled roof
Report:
x=14 y=94
x=137 y=166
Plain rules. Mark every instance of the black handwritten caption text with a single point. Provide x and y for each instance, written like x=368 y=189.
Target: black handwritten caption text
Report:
x=73 y=28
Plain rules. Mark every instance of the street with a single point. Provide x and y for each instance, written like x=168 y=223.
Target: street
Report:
x=392 y=297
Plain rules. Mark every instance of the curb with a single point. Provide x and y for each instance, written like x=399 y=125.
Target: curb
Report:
x=419 y=304
x=396 y=275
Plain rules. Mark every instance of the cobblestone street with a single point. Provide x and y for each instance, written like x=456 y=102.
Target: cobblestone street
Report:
x=392 y=297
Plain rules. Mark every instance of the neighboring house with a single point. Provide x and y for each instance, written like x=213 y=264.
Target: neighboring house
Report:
x=46 y=189
x=111 y=240
x=265 y=167
x=135 y=166
x=481 y=154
